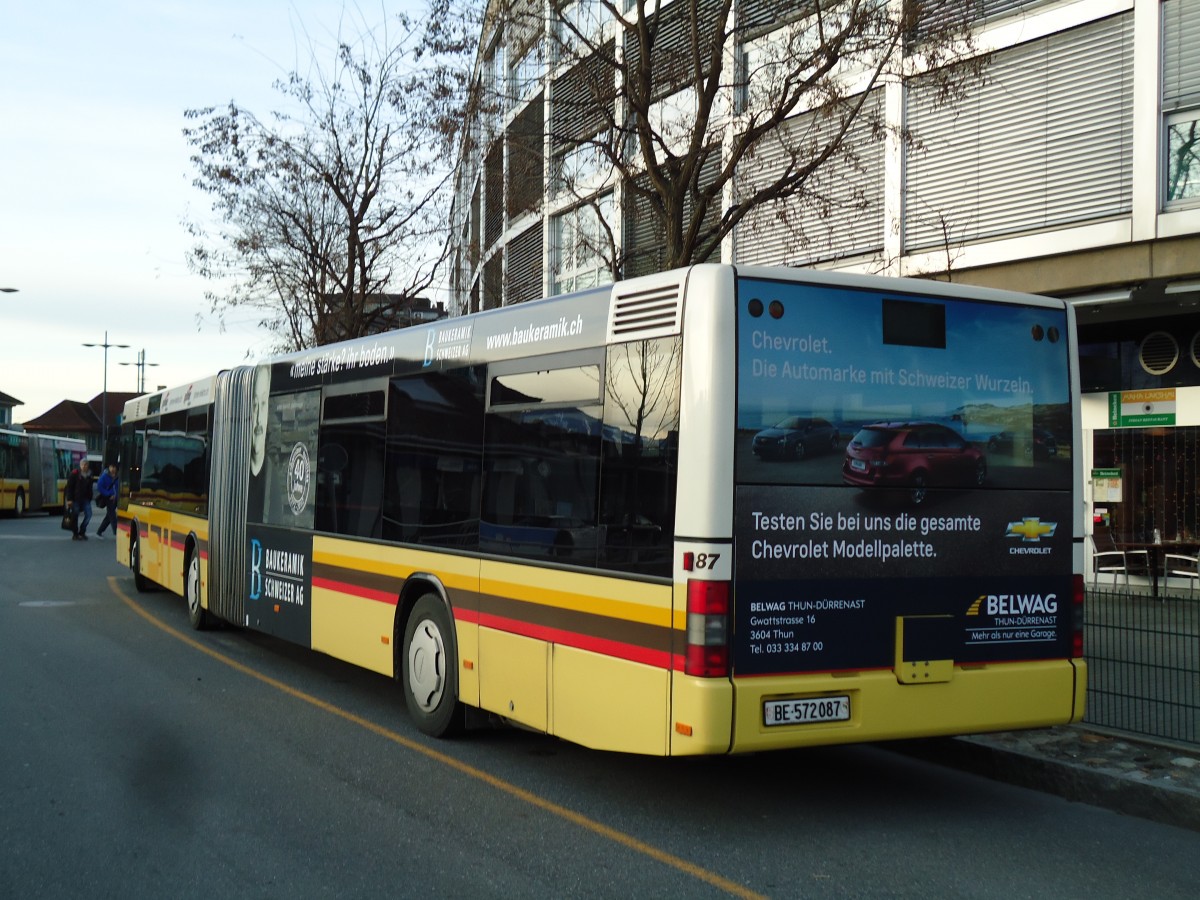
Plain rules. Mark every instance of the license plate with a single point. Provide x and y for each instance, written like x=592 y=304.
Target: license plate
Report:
x=858 y=465
x=802 y=711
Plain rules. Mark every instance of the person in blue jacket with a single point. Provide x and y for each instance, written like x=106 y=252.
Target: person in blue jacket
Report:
x=106 y=496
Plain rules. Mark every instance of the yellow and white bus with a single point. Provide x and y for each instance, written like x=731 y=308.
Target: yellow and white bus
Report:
x=34 y=470
x=708 y=511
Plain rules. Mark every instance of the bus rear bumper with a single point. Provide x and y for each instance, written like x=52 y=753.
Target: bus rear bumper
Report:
x=978 y=698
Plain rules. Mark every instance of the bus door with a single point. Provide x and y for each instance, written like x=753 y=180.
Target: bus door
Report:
x=44 y=484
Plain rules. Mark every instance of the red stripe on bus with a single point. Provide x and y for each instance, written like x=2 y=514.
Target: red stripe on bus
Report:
x=355 y=590
x=631 y=652
x=658 y=658
x=470 y=616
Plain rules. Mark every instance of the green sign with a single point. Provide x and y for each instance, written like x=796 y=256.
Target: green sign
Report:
x=1141 y=409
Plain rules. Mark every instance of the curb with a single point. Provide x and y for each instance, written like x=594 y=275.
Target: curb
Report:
x=1163 y=803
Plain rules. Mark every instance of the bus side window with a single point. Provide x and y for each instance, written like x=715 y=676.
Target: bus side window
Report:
x=350 y=462
x=434 y=449
x=641 y=431
x=197 y=471
x=541 y=484
x=132 y=448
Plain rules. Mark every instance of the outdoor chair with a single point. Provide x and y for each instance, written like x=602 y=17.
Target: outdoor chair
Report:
x=1110 y=566
x=1137 y=562
x=1180 y=566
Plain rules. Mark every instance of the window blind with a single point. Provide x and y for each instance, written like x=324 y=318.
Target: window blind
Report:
x=1045 y=142
x=839 y=211
x=1181 y=54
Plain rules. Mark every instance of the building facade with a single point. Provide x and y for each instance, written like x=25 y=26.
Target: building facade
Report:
x=1071 y=168
x=6 y=407
x=76 y=419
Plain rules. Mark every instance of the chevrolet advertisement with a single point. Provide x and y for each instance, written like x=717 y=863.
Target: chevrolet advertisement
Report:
x=904 y=475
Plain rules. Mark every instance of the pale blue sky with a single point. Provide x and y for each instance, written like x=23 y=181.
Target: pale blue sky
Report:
x=95 y=178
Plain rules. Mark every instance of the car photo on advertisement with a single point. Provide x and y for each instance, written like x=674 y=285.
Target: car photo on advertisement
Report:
x=912 y=456
x=795 y=438
x=1037 y=444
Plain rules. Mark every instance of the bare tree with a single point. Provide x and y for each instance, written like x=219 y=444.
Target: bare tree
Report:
x=702 y=114
x=1183 y=166
x=642 y=391
x=332 y=213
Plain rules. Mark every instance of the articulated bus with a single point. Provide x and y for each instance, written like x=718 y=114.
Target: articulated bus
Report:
x=34 y=470
x=713 y=510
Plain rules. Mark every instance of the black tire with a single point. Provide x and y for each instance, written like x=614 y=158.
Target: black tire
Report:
x=917 y=492
x=140 y=582
x=198 y=616
x=799 y=451
x=429 y=666
x=19 y=504
x=980 y=473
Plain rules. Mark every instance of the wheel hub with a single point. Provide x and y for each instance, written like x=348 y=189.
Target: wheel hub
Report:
x=426 y=666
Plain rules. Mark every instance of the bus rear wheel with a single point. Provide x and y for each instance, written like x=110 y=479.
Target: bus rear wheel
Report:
x=197 y=615
x=430 y=668
x=19 y=504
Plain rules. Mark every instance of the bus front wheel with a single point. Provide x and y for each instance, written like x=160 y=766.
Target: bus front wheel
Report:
x=430 y=668
x=197 y=615
x=19 y=504
x=140 y=582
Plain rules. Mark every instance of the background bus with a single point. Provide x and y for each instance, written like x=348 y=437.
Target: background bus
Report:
x=565 y=513
x=34 y=470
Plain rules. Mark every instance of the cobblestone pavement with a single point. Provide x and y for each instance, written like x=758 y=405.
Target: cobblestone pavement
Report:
x=1103 y=768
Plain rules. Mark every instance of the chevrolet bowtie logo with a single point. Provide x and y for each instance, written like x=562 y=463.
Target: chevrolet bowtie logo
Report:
x=1031 y=529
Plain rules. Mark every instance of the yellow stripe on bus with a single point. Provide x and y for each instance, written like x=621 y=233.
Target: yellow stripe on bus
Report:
x=587 y=593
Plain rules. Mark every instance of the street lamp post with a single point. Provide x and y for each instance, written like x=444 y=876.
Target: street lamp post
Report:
x=141 y=367
x=104 y=396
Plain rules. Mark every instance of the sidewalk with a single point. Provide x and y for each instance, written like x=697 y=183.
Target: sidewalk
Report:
x=1136 y=777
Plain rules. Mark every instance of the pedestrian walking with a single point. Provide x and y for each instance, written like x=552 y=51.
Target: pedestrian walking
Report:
x=69 y=501
x=83 y=500
x=106 y=499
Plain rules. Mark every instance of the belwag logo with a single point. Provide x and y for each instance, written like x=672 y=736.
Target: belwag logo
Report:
x=1031 y=529
x=1014 y=604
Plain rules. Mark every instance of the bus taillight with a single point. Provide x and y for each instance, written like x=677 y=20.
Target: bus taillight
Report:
x=707 y=629
x=1077 y=617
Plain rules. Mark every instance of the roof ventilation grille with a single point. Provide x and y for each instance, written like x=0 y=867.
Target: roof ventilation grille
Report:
x=653 y=311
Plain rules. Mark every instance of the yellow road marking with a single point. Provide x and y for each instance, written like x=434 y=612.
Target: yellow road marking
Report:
x=470 y=771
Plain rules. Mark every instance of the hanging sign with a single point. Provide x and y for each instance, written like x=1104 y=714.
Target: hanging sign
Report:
x=1106 y=485
x=1140 y=409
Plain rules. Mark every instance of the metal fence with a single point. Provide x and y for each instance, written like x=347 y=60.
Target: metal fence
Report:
x=1143 y=656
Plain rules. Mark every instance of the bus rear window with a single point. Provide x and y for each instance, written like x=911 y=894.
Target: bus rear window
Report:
x=989 y=381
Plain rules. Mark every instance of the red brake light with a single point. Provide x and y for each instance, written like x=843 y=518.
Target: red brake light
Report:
x=707 y=653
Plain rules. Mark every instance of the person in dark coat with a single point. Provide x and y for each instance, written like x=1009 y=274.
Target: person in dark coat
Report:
x=83 y=500
x=69 y=500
